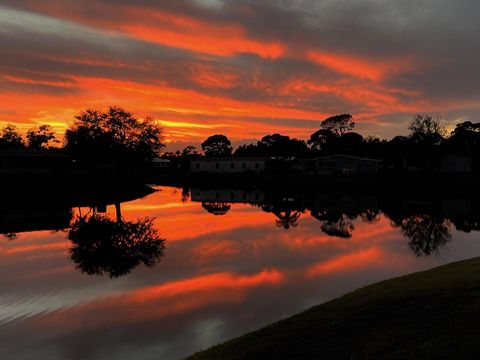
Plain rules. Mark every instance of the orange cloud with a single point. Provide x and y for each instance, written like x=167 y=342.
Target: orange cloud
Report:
x=204 y=283
x=370 y=69
x=168 y=299
x=172 y=29
x=36 y=247
x=348 y=262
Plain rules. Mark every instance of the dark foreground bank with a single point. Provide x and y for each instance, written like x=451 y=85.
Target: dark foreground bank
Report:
x=428 y=315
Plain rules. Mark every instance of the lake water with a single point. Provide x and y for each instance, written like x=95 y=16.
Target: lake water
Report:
x=234 y=261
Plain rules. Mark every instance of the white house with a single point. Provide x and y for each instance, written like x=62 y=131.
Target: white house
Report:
x=456 y=164
x=340 y=164
x=160 y=163
x=227 y=196
x=228 y=165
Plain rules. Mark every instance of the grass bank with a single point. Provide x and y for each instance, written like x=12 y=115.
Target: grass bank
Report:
x=433 y=314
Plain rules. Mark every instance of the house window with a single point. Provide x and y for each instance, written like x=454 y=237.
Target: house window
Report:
x=232 y=165
x=217 y=166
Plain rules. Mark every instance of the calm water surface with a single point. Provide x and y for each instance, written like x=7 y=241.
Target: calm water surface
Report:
x=227 y=269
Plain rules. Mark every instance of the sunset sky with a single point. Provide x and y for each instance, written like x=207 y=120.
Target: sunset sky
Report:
x=243 y=68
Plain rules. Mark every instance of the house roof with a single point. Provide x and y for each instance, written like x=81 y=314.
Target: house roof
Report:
x=328 y=157
x=230 y=159
x=160 y=160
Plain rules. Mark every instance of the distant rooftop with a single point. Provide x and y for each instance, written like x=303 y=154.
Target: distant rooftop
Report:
x=345 y=157
x=233 y=158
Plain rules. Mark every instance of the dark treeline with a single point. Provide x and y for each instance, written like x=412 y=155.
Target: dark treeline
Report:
x=117 y=136
x=112 y=136
x=423 y=148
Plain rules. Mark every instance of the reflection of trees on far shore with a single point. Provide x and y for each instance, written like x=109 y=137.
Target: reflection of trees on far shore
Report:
x=102 y=246
x=216 y=208
x=185 y=194
x=286 y=218
x=334 y=224
x=426 y=233
x=425 y=222
x=467 y=225
x=10 y=236
x=337 y=224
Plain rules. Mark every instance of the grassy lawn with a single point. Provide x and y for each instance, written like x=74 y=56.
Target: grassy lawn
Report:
x=433 y=314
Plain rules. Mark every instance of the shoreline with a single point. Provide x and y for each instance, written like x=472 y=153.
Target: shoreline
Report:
x=433 y=314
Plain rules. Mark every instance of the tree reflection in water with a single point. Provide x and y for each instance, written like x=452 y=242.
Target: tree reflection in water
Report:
x=10 y=236
x=467 y=225
x=335 y=224
x=426 y=233
x=216 y=208
x=286 y=218
x=103 y=246
x=425 y=221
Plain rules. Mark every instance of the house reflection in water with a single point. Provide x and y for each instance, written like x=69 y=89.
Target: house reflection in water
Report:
x=228 y=195
x=229 y=165
x=340 y=164
x=217 y=201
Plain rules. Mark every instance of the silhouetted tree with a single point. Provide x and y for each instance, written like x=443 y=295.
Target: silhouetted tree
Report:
x=106 y=247
x=374 y=147
x=248 y=150
x=274 y=145
x=320 y=139
x=338 y=124
x=10 y=138
x=41 y=137
x=281 y=146
x=395 y=151
x=465 y=140
x=217 y=145
x=333 y=135
x=349 y=143
x=115 y=134
x=181 y=159
x=427 y=129
x=328 y=143
x=189 y=151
